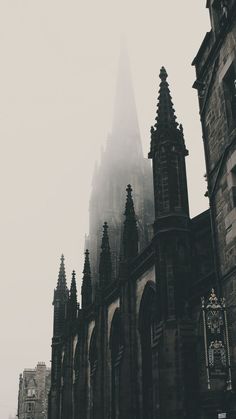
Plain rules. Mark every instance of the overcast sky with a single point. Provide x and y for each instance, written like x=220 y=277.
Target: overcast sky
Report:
x=57 y=82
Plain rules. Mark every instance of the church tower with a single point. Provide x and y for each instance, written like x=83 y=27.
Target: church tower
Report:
x=122 y=163
x=61 y=295
x=171 y=226
x=173 y=261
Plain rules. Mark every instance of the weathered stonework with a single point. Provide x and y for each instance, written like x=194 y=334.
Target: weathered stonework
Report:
x=215 y=68
x=34 y=387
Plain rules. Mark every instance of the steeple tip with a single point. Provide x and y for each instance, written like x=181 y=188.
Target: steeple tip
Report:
x=129 y=188
x=61 y=283
x=86 y=263
x=105 y=228
x=165 y=117
x=163 y=74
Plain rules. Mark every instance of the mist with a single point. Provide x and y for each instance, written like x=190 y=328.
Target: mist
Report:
x=59 y=71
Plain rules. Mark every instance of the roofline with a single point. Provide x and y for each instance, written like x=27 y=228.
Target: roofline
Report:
x=203 y=214
x=196 y=58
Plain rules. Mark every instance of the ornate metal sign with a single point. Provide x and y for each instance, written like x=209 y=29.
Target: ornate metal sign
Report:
x=216 y=341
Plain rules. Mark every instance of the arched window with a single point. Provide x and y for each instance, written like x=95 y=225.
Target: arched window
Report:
x=76 y=379
x=149 y=346
x=117 y=349
x=76 y=361
x=63 y=384
x=92 y=371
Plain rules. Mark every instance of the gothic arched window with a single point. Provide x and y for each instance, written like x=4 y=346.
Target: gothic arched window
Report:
x=93 y=357
x=76 y=361
x=76 y=379
x=149 y=347
x=117 y=349
x=63 y=383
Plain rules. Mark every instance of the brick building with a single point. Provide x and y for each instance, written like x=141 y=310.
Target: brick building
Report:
x=155 y=340
x=34 y=387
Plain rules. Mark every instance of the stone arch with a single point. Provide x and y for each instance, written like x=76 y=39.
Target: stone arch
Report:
x=117 y=345
x=93 y=359
x=76 y=360
x=148 y=322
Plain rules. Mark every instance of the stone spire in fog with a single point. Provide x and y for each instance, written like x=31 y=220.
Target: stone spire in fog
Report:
x=125 y=127
x=122 y=163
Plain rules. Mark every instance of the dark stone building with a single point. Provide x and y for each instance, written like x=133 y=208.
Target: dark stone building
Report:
x=34 y=386
x=143 y=344
x=215 y=65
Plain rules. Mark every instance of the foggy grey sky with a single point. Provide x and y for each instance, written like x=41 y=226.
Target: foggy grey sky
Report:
x=57 y=83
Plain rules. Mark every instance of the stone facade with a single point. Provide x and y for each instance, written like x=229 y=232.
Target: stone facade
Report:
x=34 y=387
x=216 y=84
x=127 y=351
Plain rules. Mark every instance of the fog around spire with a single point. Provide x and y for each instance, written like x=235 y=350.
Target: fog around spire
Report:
x=125 y=128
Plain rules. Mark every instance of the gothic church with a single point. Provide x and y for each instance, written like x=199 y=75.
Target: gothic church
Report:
x=155 y=336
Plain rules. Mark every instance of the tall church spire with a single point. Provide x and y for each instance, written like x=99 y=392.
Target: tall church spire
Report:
x=166 y=128
x=130 y=235
x=165 y=114
x=122 y=162
x=125 y=127
x=168 y=153
x=60 y=299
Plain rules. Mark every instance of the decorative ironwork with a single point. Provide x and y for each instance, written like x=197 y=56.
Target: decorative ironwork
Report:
x=216 y=342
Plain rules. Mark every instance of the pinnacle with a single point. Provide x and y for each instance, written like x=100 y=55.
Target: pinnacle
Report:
x=86 y=289
x=105 y=239
x=61 y=283
x=129 y=207
x=130 y=234
x=73 y=277
x=73 y=290
x=165 y=111
x=72 y=307
x=163 y=74
x=105 y=268
x=105 y=228
x=129 y=189
x=86 y=270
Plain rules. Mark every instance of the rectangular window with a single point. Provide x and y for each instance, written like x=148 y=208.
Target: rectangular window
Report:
x=31 y=392
x=30 y=407
x=230 y=96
